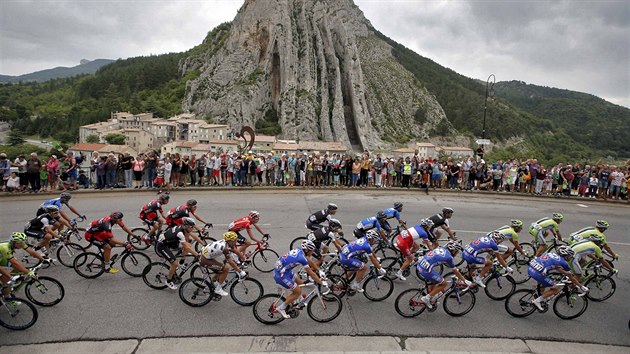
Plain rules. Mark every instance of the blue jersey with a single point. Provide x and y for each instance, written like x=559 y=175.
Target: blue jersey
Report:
x=435 y=257
x=369 y=224
x=356 y=248
x=481 y=245
x=57 y=202
x=392 y=213
x=294 y=258
x=547 y=262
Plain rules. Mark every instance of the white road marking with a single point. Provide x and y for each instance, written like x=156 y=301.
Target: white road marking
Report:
x=582 y=205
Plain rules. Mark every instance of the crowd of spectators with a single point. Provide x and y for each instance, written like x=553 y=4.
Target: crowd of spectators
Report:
x=313 y=170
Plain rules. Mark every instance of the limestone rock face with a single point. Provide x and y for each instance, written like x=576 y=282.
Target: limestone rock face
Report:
x=319 y=66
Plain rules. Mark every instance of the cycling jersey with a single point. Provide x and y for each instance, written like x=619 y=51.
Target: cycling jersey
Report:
x=438 y=220
x=367 y=224
x=540 y=227
x=508 y=233
x=150 y=211
x=313 y=221
x=540 y=267
x=440 y=255
x=405 y=240
x=474 y=249
x=101 y=230
x=350 y=252
x=392 y=213
x=175 y=215
x=586 y=233
x=173 y=238
x=7 y=252
x=40 y=222
x=239 y=224
x=321 y=235
x=582 y=250
x=56 y=202
x=215 y=249
x=286 y=263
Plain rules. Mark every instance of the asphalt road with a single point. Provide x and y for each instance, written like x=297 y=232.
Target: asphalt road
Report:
x=118 y=306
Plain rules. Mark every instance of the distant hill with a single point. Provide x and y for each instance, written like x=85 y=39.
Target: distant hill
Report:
x=60 y=72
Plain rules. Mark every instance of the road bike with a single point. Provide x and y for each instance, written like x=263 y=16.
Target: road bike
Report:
x=156 y=273
x=499 y=285
x=16 y=313
x=92 y=265
x=601 y=286
x=321 y=308
x=375 y=287
x=262 y=258
x=298 y=241
x=65 y=250
x=198 y=290
x=40 y=290
x=458 y=300
x=142 y=240
x=519 y=262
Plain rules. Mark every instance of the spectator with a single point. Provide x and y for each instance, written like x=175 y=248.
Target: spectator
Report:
x=5 y=170
x=202 y=162
x=616 y=179
x=84 y=180
x=101 y=173
x=176 y=170
x=43 y=177
x=126 y=164
x=53 y=172
x=150 y=168
x=13 y=183
x=110 y=170
x=72 y=170
x=33 y=166
x=137 y=166
x=192 y=165
x=20 y=163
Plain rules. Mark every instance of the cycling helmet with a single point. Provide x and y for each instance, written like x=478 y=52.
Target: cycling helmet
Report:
x=566 y=251
x=230 y=236
x=65 y=195
x=191 y=202
x=116 y=215
x=332 y=206
x=52 y=209
x=381 y=215
x=517 y=223
x=254 y=214
x=334 y=223
x=18 y=237
x=453 y=245
x=427 y=223
x=165 y=197
x=188 y=222
x=307 y=245
x=557 y=217
x=372 y=235
x=398 y=206
x=602 y=224
x=497 y=236
x=447 y=210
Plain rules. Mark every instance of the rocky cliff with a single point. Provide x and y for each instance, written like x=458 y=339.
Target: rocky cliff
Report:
x=316 y=66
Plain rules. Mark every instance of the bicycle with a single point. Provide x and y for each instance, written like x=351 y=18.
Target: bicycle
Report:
x=66 y=250
x=155 y=274
x=263 y=258
x=16 y=313
x=375 y=287
x=92 y=265
x=601 y=287
x=141 y=239
x=321 y=308
x=42 y=290
x=199 y=291
x=498 y=285
x=298 y=241
x=458 y=300
x=566 y=305
x=520 y=264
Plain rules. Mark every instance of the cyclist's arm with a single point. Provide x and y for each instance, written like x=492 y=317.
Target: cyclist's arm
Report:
x=311 y=270
x=5 y=273
x=198 y=218
x=194 y=236
x=337 y=245
x=427 y=243
x=188 y=249
x=459 y=274
x=518 y=247
x=251 y=234
x=228 y=258
x=64 y=217
x=610 y=251
x=17 y=265
x=50 y=230
x=448 y=230
x=236 y=251
x=497 y=254
x=571 y=277
x=127 y=230
x=375 y=261
x=556 y=234
x=74 y=210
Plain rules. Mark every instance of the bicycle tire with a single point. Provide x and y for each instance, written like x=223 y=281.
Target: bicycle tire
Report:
x=265 y=260
x=12 y=309
x=569 y=301
x=68 y=252
x=29 y=261
x=337 y=285
x=408 y=303
x=386 y=251
x=206 y=240
x=196 y=292
x=154 y=275
x=529 y=249
x=337 y=269
x=331 y=306
x=378 y=289
x=519 y=303
x=597 y=286
x=499 y=288
x=458 y=303
x=133 y=263
x=264 y=309
x=296 y=242
x=137 y=240
x=89 y=265
x=520 y=274
x=44 y=291
x=392 y=266
x=246 y=292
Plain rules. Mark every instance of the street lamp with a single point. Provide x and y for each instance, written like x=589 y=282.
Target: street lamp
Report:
x=489 y=93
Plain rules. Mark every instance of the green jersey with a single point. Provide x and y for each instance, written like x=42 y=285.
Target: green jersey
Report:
x=508 y=233
x=543 y=225
x=6 y=252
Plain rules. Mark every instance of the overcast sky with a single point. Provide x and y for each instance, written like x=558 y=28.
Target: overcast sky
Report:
x=577 y=45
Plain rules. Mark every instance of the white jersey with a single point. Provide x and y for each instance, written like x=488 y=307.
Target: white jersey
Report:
x=214 y=250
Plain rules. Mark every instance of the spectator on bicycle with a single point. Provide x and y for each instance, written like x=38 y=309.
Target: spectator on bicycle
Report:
x=7 y=250
x=323 y=234
x=101 y=231
x=486 y=244
x=540 y=267
x=246 y=222
x=64 y=199
x=313 y=222
x=210 y=259
x=541 y=228
x=394 y=213
x=42 y=228
x=350 y=253
x=588 y=249
x=149 y=213
x=284 y=276
x=405 y=242
x=510 y=232
x=440 y=220
x=373 y=222
x=175 y=215
x=437 y=283
x=595 y=234
x=174 y=239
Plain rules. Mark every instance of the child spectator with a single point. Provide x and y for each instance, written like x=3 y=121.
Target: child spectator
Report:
x=592 y=185
x=159 y=180
x=13 y=183
x=43 y=178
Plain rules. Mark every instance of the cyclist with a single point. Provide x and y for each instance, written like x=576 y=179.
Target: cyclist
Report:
x=436 y=257
x=406 y=243
x=540 y=267
x=541 y=228
x=42 y=228
x=246 y=222
x=394 y=213
x=486 y=244
x=584 y=249
x=101 y=230
x=283 y=272
x=510 y=232
x=350 y=253
x=324 y=233
x=64 y=199
x=595 y=234
x=174 y=238
x=149 y=213
x=209 y=259
x=7 y=250
x=440 y=220
x=175 y=215
x=313 y=222
x=373 y=222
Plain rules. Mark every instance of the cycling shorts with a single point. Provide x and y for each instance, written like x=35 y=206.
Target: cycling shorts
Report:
x=102 y=236
x=149 y=217
x=352 y=263
x=38 y=234
x=405 y=245
x=544 y=280
x=174 y=222
x=312 y=226
x=164 y=251
x=212 y=264
x=285 y=280
x=240 y=239
x=432 y=277
x=471 y=259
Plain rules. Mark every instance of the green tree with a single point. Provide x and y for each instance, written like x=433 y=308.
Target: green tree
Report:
x=115 y=139
x=92 y=139
x=16 y=137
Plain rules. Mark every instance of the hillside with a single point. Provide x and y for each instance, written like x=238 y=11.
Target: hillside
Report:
x=59 y=72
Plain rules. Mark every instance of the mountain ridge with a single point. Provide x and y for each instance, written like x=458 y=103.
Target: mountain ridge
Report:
x=58 y=72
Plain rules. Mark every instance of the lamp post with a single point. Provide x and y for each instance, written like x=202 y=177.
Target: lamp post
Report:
x=489 y=93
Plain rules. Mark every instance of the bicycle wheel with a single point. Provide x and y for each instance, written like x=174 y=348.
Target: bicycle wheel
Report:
x=196 y=292
x=265 y=259
x=408 y=303
x=246 y=292
x=133 y=263
x=155 y=274
x=520 y=274
x=519 y=304
x=383 y=252
x=529 y=249
x=570 y=306
x=265 y=309
x=44 y=291
x=29 y=261
x=458 y=303
x=89 y=265
x=205 y=240
x=17 y=314
x=392 y=266
x=296 y=242
x=378 y=289
x=137 y=240
x=324 y=310
x=337 y=285
x=68 y=252
x=600 y=287
x=499 y=288
x=337 y=269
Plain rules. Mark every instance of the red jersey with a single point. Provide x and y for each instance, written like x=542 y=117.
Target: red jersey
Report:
x=240 y=224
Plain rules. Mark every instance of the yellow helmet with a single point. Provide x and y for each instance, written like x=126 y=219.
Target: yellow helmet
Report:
x=230 y=236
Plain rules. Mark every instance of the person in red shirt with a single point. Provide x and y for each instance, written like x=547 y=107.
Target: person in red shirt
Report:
x=101 y=230
x=246 y=223
x=149 y=213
